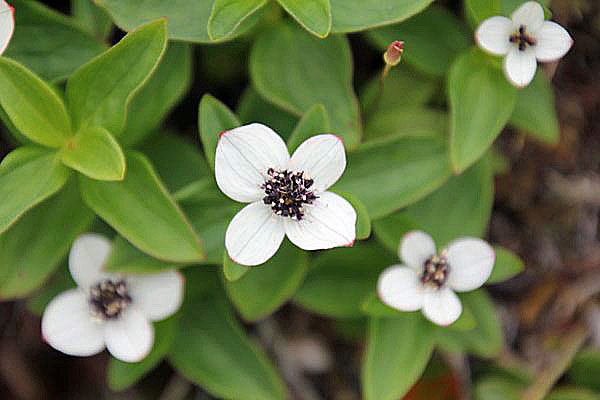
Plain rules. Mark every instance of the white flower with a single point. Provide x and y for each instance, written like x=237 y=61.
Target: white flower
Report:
x=287 y=195
x=523 y=39
x=428 y=281
x=106 y=309
x=7 y=24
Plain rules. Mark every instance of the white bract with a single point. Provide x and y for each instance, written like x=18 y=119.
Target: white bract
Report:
x=287 y=195
x=7 y=24
x=523 y=39
x=107 y=309
x=428 y=281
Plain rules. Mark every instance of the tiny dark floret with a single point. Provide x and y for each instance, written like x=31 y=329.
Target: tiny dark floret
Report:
x=108 y=299
x=287 y=191
x=435 y=271
x=522 y=38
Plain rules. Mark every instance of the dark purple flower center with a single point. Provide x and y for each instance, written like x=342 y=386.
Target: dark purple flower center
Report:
x=286 y=192
x=522 y=38
x=435 y=272
x=108 y=299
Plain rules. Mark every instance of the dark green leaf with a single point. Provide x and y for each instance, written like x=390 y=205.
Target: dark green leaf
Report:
x=313 y=15
x=233 y=271
x=586 y=368
x=127 y=259
x=214 y=118
x=93 y=18
x=363 y=221
x=415 y=121
x=314 y=122
x=253 y=108
x=507 y=265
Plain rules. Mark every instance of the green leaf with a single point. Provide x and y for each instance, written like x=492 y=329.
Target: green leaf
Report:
x=57 y=284
x=486 y=339
x=233 y=271
x=51 y=44
x=93 y=18
x=392 y=174
x=28 y=176
x=508 y=6
x=188 y=19
x=398 y=350
x=339 y=280
x=390 y=230
x=227 y=15
x=363 y=221
x=359 y=15
x=507 y=265
x=37 y=243
x=415 y=121
x=170 y=82
x=572 y=394
x=177 y=160
x=479 y=10
x=98 y=93
x=142 y=211
x=32 y=106
x=214 y=118
x=374 y=307
x=535 y=111
x=122 y=375
x=314 y=122
x=252 y=108
x=313 y=15
x=212 y=350
x=498 y=388
x=322 y=71
x=262 y=290
x=481 y=102
x=127 y=259
x=432 y=38
x=585 y=369
x=95 y=153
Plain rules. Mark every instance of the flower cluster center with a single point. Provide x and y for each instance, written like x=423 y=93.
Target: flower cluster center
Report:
x=435 y=272
x=108 y=299
x=287 y=191
x=522 y=38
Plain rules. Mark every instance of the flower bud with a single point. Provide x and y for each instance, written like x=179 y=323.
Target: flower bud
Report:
x=393 y=54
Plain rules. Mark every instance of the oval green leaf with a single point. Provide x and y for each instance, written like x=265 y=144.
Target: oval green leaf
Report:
x=125 y=258
x=314 y=122
x=231 y=270
x=313 y=15
x=214 y=118
x=227 y=15
x=507 y=265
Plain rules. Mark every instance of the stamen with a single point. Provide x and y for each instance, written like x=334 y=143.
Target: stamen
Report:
x=286 y=192
x=522 y=38
x=108 y=299
x=435 y=271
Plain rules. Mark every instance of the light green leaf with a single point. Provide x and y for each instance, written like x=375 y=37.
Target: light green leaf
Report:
x=233 y=271
x=127 y=259
x=142 y=211
x=93 y=18
x=122 y=375
x=392 y=174
x=359 y=15
x=415 y=121
x=264 y=289
x=253 y=108
x=432 y=39
x=322 y=71
x=507 y=265
x=32 y=106
x=99 y=92
x=227 y=15
x=95 y=153
x=535 y=111
x=486 y=339
x=398 y=350
x=214 y=118
x=390 y=230
x=374 y=307
x=28 y=176
x=188 y=19
x=314 y=122
x=479 y=10
x=363 y=221
x=585 y=369
x=212 y=350
x=51 y=44
x=498 y=388
x=170 y=82
x=37 y=243
x=481 y=102
x=313 y=15
x=339 y=280
x=508 y=6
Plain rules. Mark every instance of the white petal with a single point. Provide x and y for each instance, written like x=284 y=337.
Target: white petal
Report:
x=493 y=35
x=87 y=257
x=159 y=295
x=530 y=15
x=415 y=248
x=67 y=325
x=520 y=66
x=471 y=261
x=243 y=157
x=399 y=287
x=7 y=24
x=254 y=234
x=553 y=42
x=130 y=337
x=329 y=222
x=442 y=307
x=322 y=158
